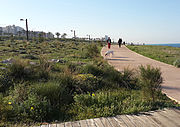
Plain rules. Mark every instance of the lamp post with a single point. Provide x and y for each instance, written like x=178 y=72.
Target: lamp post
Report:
x=74 y=33
x=26 y=28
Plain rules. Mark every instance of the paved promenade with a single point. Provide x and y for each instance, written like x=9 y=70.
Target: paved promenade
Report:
x=123 y=58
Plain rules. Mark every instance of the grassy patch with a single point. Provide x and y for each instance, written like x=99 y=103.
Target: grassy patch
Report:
x=113 y=102
x=164 y=54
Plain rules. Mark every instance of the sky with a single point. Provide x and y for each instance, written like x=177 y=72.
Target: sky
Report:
x=137 y=21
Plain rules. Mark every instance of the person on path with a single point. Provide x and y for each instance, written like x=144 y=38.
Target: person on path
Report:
x=109 y=42
x=120 y=42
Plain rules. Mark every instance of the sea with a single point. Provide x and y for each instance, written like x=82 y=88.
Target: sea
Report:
x=172 y=45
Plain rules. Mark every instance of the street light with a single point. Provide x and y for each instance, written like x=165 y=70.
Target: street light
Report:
x=26 y=28
x=74 y=33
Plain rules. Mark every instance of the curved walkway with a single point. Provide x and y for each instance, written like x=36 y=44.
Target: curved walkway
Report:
x=125 y=58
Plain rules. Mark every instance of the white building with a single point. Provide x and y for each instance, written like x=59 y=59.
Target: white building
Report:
x=19 y=31
x=12 y=29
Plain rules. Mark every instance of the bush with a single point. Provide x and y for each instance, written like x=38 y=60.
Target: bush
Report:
x=5 y=110
x=44 y=68
x=5 y=81
x=113 y=102
x=72 y=67
x=25 y=105
x=110 y=76
x=150 y=80
x=87 y=83
x=58 y=68
x=55 y=91
x=107 y=103
x=91 y=51
x=20 y=69
x=91 y=69
x=177 y=63
x=129 y=79
x=59 y=93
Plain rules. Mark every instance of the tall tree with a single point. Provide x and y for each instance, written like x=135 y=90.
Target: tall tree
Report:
x=63 y=35
x=58 y=34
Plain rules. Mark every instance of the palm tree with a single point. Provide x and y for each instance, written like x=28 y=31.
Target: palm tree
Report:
x=63 y=35
x=58 y=34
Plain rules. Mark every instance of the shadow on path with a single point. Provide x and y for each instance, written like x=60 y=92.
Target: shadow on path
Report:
x=118 y=59
x=170 y=88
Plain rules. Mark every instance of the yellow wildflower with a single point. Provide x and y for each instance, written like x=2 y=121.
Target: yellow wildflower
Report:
x=9 y=103
x=82 y=76
x=32 y=108
x=93 y=94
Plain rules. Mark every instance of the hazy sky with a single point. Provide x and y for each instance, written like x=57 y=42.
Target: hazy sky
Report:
x=143 y=21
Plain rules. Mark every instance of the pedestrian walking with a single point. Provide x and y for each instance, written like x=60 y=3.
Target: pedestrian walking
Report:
x=120 y=42
x=109 y=42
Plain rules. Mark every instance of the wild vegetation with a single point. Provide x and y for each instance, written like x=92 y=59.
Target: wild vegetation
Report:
x=69 y=80
x=166 y=54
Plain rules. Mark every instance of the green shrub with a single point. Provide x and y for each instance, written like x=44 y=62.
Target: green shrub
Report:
x=59 y=92
x=91 y=51
x=100 y=43
x=113 y=102
x=5 y=110
x=44 y=68
x=58 y=68
x=5 y=81
x=20 y=69
x=87 y=83
x=72 y=67
x=55 y=91
x=150 y=80
x=177 y=63
x=91 y=69
x=110 y=76
x=107 y=103
x=129 y=79
x=26 y=105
